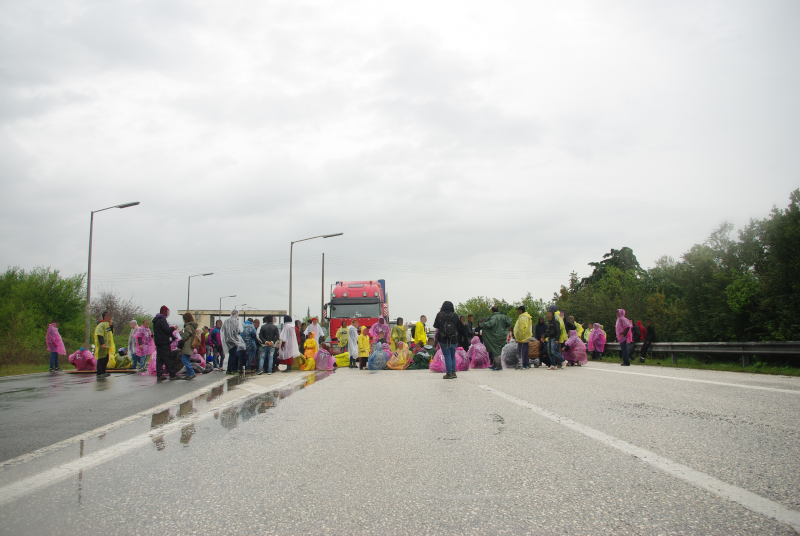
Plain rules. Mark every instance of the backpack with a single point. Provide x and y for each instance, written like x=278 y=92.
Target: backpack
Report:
x=197 y=338
x=449 y=328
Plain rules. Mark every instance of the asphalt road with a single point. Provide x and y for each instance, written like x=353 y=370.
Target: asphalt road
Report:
x=37 y=410
x=590 y=450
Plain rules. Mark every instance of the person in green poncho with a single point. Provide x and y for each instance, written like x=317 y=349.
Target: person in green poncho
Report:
x=495 y=332
x=398 y=334
x=103 y=342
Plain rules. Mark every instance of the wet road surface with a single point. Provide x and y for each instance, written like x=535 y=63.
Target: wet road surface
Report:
x=589 y=450
x=37 y=410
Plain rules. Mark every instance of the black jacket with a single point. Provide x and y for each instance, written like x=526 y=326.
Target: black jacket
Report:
x=651 y=334
x=541 y=329
x=439 y=323
x=162 y=332
x=553 y=330
x=269 y=333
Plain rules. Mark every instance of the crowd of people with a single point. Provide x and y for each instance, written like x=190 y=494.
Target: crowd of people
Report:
x=261 y=345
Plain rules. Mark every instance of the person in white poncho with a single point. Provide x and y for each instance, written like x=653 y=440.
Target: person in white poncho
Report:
x=317 y=330
x=289 y=348
x=231 y=340
x=352 y=343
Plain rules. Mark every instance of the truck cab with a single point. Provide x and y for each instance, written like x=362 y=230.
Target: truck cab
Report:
x=365 y=301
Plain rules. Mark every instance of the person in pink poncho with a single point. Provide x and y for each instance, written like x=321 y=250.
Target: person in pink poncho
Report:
x=624 y=336
x=380 y=330
x=143 y=339
x=574 y=350
x=597 y=341
x=54 y=345
x=83 y=360
x=462 y=361
x=477 y=354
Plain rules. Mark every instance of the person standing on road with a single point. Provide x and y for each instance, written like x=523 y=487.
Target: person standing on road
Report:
x=215 y=340
x=342 y=336
x=649 y=338
x=55 y=345
x=204 y=346
x=495 y=331
x=352 y=343
x=163 y=335
x=363 y=348
x=624 y=336
x=251 y=346
x=597 y=342
x=450 y=329
x=467 y=334
x=144 y=344
x=189 y=328
x=552 y=335
x=289 y=347
x=230 y=333
x=420 y=336
x=133 y=352
x=541 y=327
x=523 y=331
x=103 y=340
x=398 y=334
x=380 y=330
x=270 y=336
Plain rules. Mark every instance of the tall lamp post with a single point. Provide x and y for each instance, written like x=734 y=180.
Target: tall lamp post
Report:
x=220 y=304
x=189 y=289
x=89 y=271
x=291 y=255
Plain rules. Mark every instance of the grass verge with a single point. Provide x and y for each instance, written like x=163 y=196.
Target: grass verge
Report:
x=694 y=363
x=25 y=368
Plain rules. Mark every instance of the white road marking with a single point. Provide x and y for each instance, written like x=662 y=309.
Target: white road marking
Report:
x=22 y=487
x=748 y=499
x=726 y=384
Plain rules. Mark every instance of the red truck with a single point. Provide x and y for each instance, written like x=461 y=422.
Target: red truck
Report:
x=365 y=301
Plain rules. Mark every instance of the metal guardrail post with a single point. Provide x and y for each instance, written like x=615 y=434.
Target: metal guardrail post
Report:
x=674 y=357
x=745 y=358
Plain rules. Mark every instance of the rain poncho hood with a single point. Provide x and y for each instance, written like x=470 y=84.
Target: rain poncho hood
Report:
x=642 y=330
x=377 y=359
x=623 y=323
x=523 y=328
x=477 y=354
x=509 y=355
x=53 y=340
x=447 y=308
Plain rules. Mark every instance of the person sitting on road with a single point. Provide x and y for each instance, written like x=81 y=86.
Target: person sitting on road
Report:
x=575 y=350
x=402 y=359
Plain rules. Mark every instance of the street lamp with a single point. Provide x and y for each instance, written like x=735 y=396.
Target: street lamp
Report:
x=189 y=289
x=220 y=303
x=89 y=271
x=291 y=255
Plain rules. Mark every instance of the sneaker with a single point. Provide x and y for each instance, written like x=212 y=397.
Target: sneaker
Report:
x=519 y=368
x=455 y=375
x=552 y=368
x=173 y=377
x=626 y=364
x=641 y=360
x=58 y=369
x=269 y=374
x=108 y=374
x=448 y=376
x=189 y=377
x=259 y=373
x=52 y=369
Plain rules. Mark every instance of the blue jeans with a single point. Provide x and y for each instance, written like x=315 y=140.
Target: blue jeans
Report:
x=248 y=354
x=623 y=351
x=188 y=364
x=449 y=352
x=135 y=360
x=53 y=360
x=268 y=352
x=554 y=353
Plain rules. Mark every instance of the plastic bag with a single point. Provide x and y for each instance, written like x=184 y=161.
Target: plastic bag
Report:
x=462 y=361
x=437 y=363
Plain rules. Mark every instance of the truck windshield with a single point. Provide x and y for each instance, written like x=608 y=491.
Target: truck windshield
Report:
x=356 y=310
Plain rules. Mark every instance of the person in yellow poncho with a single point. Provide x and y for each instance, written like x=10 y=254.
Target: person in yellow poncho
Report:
x=310 y=353
x=342 y=336
x=363 y=348
x=420 y=337
x=560 y=318
x=402 y=359
x=398 y=335
x=523 y=331
x=103 y=344
x=578 y=327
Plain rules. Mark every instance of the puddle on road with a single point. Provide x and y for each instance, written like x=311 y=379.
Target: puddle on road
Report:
x=229 y=417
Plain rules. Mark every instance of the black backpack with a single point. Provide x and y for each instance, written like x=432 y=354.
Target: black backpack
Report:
x=449 y=328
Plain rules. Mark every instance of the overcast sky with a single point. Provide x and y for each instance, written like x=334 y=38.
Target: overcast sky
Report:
x=463 y=148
